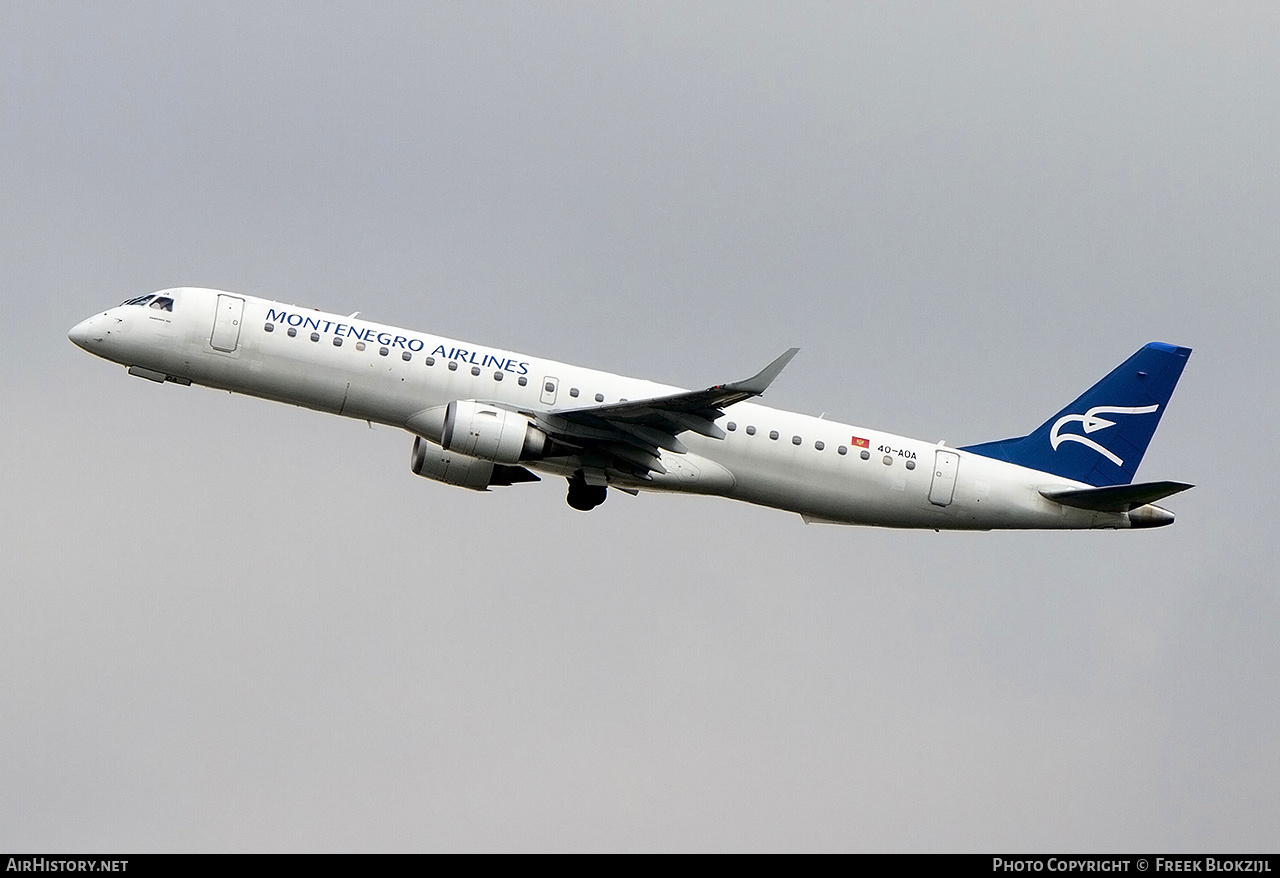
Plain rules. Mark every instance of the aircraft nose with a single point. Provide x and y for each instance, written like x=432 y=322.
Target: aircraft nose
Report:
x=82 y=333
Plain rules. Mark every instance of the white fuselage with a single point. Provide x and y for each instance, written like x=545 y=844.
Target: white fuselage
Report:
x=824 y=470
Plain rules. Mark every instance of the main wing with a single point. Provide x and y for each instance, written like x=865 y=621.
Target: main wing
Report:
x=624 y=439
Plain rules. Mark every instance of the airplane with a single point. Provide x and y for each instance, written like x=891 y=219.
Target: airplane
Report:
x=482 y=417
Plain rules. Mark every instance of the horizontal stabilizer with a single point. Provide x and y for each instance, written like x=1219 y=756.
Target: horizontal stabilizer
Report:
x=1116 y=498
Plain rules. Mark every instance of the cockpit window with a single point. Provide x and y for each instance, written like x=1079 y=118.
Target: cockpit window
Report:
x=163 y=303
x=141 y=300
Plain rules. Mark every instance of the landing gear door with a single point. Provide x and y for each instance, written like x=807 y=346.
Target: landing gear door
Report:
x=226 y=324
x=549 y=386
x=945 y=466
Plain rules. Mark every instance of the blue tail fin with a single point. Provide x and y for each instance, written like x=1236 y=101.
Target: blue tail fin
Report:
x=1100 y=438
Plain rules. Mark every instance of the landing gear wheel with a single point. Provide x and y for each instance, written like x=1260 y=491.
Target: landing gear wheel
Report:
x=582 y=496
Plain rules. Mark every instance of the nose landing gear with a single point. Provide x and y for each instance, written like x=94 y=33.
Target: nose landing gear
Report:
x=583 y=496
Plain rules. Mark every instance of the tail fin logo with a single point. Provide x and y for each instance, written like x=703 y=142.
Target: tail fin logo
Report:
x=1092 y=423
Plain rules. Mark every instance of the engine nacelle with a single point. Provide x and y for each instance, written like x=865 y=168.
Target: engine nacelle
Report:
x=432 y=462
x=490 y=433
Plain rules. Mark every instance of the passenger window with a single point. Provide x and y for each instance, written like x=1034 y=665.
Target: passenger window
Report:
x=888 y=461
x=270 y=327
x=475 y=370
x=453 y=365
x=865 y=455
x=431 y=361
x=337 y=341
x=842 y=450
x=315 y=336
x=359 y=345
x=819 y=445
x=599 y=397
x=293 y=332
x=796 y=440
x=773 y=434
x=383 y=351
x=406 y=356
x=751 y=430
x=911 y=464
x=573 y=391
x=522 y=381
x=731 y=426
x=497 y=376
x=550 y=387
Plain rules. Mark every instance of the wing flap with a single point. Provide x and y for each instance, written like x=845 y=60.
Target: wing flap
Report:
x=698 y=423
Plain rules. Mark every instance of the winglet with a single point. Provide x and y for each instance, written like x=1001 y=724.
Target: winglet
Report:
x=757 y=384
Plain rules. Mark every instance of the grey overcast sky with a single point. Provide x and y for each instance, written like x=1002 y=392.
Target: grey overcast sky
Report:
x=227 y=624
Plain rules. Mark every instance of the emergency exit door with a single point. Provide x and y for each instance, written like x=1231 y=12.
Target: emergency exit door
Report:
x=549 y=387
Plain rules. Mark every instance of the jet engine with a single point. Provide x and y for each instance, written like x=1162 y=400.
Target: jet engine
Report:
x=476 y=429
